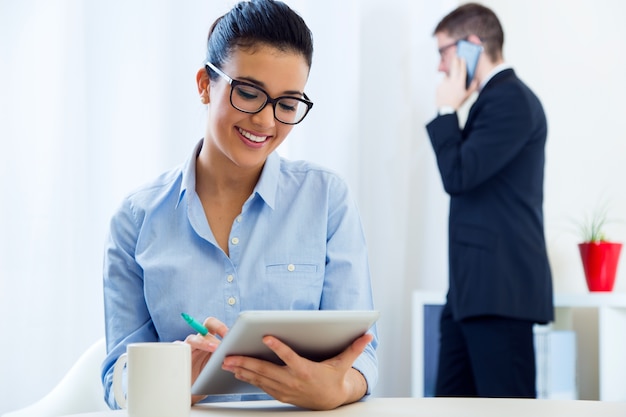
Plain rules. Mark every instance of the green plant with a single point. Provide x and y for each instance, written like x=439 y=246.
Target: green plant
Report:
x=591 y=228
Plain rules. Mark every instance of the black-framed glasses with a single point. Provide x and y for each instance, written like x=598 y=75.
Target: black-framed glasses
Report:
x=444 y=48
x=251 y=99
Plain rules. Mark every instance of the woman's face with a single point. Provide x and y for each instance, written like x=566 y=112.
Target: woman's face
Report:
x=242 y=139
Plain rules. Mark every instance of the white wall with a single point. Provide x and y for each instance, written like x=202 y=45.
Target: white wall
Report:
x=80 y=128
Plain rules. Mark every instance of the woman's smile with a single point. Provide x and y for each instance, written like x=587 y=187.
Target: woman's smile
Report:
x=251 y=136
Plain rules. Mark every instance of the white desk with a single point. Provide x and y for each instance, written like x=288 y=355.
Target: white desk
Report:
x=413 y=407
x=611 y=328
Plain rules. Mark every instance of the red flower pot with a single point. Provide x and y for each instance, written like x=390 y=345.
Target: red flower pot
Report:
x=600 y=264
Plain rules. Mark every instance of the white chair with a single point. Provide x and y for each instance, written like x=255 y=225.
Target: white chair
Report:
x=80 y=390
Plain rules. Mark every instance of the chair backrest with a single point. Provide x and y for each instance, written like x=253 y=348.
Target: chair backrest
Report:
x=80 y=390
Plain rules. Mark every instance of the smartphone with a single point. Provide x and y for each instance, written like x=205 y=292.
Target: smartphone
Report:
x=470 y=52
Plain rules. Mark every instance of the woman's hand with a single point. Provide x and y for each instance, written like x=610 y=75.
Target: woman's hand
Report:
x=314 y=385
x=202 y=347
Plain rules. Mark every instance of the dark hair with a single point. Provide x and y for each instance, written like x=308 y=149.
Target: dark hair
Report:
x=474 y=19
x=250 y=23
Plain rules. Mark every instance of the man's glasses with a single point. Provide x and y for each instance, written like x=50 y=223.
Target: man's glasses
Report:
x=444 y=48
x=249 y=98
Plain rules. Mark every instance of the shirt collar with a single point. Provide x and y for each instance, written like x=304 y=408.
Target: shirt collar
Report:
x=265 y=187
x=497 y=69
x=268 y=183
x=189 y=173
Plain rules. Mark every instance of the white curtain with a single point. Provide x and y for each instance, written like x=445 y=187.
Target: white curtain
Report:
x=98 y=96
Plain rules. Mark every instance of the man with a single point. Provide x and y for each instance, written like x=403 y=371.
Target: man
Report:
x=500 y=282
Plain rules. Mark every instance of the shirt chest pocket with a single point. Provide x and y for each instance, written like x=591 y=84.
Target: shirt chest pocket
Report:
x=295 y=285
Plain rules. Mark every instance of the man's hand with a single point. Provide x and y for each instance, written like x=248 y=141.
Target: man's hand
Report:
x=451 y=91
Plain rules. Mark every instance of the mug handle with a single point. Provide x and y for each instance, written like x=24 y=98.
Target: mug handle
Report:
x=118 y=391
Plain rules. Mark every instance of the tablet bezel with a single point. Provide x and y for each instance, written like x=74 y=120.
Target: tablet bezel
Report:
x=314 y=334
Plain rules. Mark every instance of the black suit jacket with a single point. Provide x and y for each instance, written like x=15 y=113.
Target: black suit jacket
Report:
x=493 y=170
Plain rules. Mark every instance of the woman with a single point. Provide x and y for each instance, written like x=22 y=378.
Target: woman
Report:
x=237 y=227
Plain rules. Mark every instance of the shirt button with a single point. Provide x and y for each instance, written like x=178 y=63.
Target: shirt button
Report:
x=238 y=219
x=235 y=240
x=230 y=278
x=291 y=267
x=232 y=301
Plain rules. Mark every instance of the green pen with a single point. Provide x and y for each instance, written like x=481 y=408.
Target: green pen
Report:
x=193 y=323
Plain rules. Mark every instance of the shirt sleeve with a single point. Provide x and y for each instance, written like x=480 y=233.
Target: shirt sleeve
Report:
x=127 y=319
x=347 y=281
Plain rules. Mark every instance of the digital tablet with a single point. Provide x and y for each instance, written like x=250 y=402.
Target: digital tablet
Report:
x=314 y=334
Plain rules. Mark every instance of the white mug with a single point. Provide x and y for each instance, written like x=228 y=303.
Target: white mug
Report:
x=159 y=379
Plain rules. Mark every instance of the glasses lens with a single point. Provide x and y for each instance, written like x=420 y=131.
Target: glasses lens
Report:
x=290 y=110
x=248 y=98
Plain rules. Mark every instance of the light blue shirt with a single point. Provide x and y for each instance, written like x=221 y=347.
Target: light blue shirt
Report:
x=298 y=244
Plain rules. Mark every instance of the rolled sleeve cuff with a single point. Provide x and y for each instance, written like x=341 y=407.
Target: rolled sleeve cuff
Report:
x=369 y=370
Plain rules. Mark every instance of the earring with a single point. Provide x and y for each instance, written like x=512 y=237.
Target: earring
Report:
x=204 y=99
